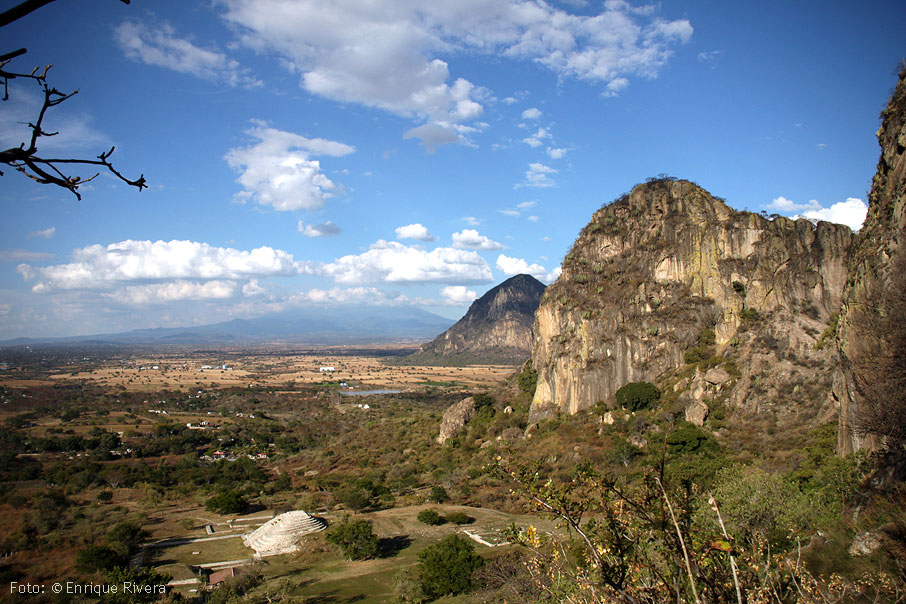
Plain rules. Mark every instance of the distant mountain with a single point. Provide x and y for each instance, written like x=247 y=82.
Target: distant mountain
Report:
x=316 y=325
x=496 y=329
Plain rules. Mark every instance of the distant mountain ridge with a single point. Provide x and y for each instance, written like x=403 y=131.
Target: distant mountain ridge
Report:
x=322 y=325
x=496 y=329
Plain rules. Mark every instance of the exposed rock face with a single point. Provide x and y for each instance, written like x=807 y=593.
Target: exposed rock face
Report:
x=878 y=260
x=455 y=418
x=659 y=266
x=497 y=328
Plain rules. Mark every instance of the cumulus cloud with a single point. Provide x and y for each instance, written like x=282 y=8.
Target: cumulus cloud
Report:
x=414 y=231
x=538 y=175
x=42 y=234
x=537 y=139
x=472 y=221
x=277 y=171
x=351 y=295
x=161 y=293
x=531 y=114
x=782 y=204
x=458 y=294
x=434 y=135
x=328 y=229
x=469 y=239
x=387 y=57
x=517 y=266
x=393 y=262
x=100 y=267
x=556 y=153
x=161 y=46
x=851 y=212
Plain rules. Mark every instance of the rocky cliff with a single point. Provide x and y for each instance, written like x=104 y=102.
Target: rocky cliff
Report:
x=497 y=327
x=669 y=281
x=874 y=298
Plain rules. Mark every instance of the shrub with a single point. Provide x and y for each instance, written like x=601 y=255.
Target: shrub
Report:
x=98 y=557
x=438 y=494
x=430 y=517
x=353 y=498
x=447 y=566
x=482 y=400
x=227 y=502
x=356 y=538
x=459 y=518
x=638 y=395
x=528 y=380
x=750 y=315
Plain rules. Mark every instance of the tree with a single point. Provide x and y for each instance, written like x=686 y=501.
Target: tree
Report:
x=25 y=158
x=430 y=517
x=638 y=395
x=447 y=566
x=438 y=494
x=356 y=538
x=228 y=502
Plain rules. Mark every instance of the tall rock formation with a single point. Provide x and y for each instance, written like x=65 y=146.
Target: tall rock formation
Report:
x=669 y=276
x=496 y=329
x=874 y=293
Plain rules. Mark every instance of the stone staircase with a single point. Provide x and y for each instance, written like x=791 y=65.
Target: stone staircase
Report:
x=280 y=535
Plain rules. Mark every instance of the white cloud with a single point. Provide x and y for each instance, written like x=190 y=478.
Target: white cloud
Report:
x=277 y=171
x=108 y=266
x=253 y=288
x=75 y=130
x=393 y=262
x=414 y=231
x=538 y=175
x=511 y=213
x=161 y=293
x=531 y=114
x=851 y=212
x=782 y=204
x=532 y=218
x=163 y=48
x=518 y=266
x=472 y=221
x=458 y=294
x=537 y=139
x=42 y=234
x=434 y=135
x=23 y=256
x=556 y=153
x=525 y=205
x=469 y=239
x=328 y=229
x=351 y=295
x=386 y=55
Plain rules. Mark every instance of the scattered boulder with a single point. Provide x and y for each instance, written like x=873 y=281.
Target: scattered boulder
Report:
x=530 y=431
x=697 y=413
x=507 y=409
x=637 y=440
x=717 y=376
x=486 y=444
x=455 y=418
x=510 y=434
x=609 y=418
x=681 y=385
x=865 y=544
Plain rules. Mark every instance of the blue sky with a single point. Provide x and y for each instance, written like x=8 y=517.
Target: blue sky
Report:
x=407 y=152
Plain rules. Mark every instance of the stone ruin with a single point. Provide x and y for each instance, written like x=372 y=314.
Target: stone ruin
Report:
x=280 y=535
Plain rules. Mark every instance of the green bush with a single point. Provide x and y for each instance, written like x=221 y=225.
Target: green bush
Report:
x=356 y=538
x=459 y=518
x=447 y=566
x=438 y=494
x=528 y=380
x=482 y=400
x=638 y=395
x=430 y=517
x=227 y=502
x=93 y=558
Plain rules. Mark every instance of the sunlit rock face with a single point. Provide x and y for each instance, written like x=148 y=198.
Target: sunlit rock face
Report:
x=667 y=261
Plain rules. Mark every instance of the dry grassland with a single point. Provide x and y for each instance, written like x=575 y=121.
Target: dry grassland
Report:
x=272 y=371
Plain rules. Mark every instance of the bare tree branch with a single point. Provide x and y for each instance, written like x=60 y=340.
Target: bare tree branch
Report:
x=20 y=10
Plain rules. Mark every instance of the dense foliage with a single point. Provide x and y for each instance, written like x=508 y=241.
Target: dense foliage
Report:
x=356 y=538
x=638 y=395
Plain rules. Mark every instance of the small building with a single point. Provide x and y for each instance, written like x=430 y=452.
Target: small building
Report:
x=216 y=578
x=327 y=369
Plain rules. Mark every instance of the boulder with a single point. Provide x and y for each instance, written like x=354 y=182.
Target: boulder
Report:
x=455 y=418
x=865 y=544
x=511 y=434
x=609 y=418
x=697 y=413
x=717 y=376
